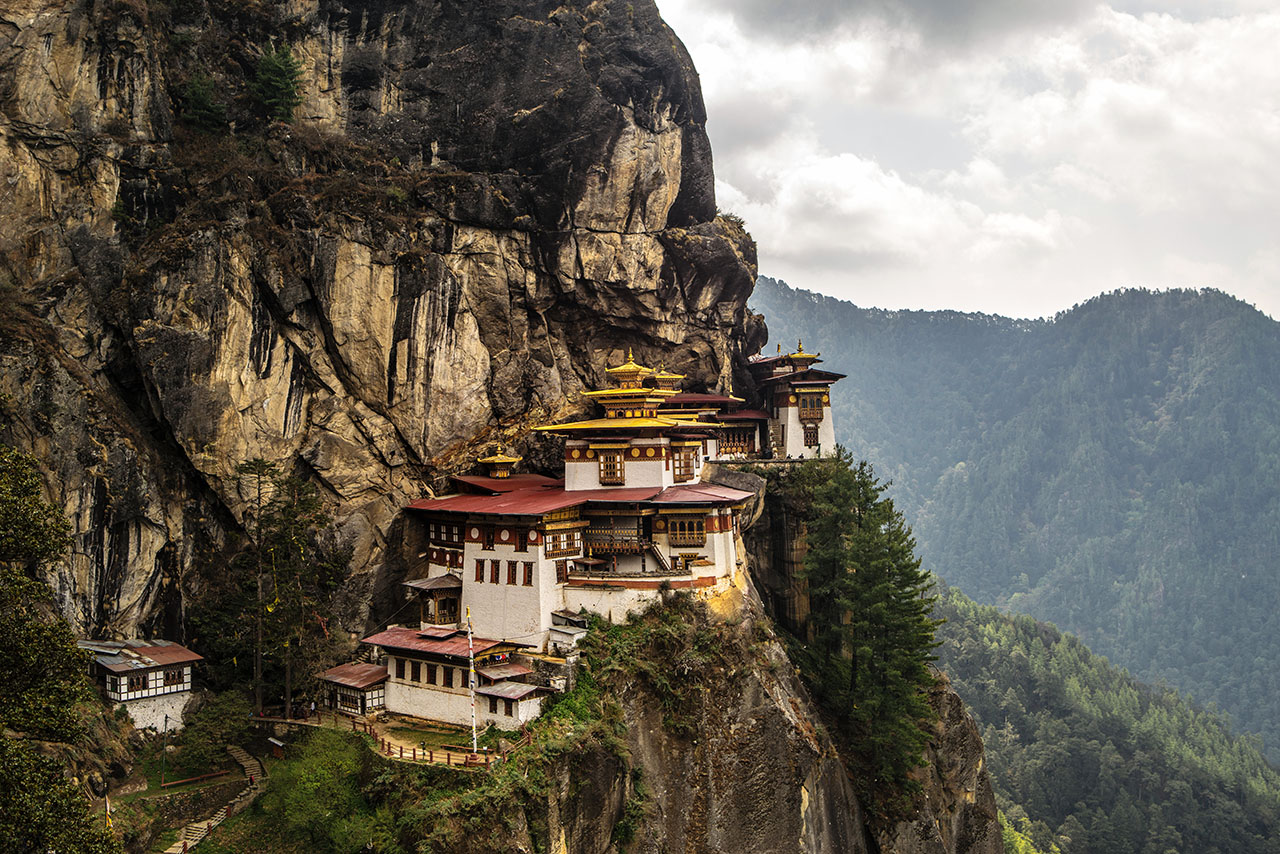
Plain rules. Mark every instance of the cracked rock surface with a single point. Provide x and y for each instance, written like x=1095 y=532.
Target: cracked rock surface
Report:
x=478 y=207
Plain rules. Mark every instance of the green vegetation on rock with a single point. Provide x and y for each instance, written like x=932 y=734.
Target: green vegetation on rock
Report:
x=275 y=83
x=45 y=691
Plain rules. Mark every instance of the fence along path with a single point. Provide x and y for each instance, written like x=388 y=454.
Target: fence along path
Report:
x=403 y=750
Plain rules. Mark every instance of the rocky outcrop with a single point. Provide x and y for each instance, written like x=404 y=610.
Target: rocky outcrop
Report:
x=478 y=207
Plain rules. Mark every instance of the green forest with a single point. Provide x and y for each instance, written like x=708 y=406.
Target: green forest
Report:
x=1114 y=469
x=1084 y=756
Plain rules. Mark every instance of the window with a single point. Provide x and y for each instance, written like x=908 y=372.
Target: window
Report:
x=349 y=702
x=431 y=674
x=511 y=571
x=447 y=676
x=506 y=707
x=137 y=682
x=488 y=539
x=493 y=705
x=173 y=676
x=528 y=574
x=400 y=668
x=611 y=467
x=522 y=540
x=415 y=672
x=480 y=569
x=810 y=435
x=563 y=543
x=811 y=407
x=685 y=460
x=562 y=571
x=495 y=566
x=690 y=531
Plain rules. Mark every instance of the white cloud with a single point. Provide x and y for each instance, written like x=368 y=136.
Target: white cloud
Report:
x=1017 y=167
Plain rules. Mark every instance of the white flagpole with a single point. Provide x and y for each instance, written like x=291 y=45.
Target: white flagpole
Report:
x=471 y=660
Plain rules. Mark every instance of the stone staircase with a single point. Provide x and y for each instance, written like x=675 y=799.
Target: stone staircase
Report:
x=195 y=832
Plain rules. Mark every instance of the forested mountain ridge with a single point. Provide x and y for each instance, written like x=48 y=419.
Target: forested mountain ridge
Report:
x=1113 y=469
x=1087 y=758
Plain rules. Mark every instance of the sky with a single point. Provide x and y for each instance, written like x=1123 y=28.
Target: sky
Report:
x=1014 y=157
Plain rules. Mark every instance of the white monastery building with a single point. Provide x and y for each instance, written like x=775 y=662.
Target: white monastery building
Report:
x=150 y=678
x=526 y=554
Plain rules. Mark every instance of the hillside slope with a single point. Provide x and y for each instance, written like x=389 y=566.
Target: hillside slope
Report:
x=1115 y=470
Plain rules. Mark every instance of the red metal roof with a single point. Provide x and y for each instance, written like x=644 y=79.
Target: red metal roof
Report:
x=701 y=493
x=688 y=397
x=412 y=640
x=531 y=502
x=359 y=675
x=507 y=484
x=499 y=672
x=121 y=656
x=745 y=415
x=806 y=373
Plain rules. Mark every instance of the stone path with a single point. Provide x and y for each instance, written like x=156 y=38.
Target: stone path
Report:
x=195 y=832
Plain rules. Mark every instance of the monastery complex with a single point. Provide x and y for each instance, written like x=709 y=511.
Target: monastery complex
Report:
x=507 y=567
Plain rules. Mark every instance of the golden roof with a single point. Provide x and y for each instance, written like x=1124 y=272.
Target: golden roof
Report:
x=629 y=371
x=614 y=424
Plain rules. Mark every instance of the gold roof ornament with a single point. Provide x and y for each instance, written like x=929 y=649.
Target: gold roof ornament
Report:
x=499 y=464
x=499 y=458
x=665 y=379
x=800 y=351
x=629 y=373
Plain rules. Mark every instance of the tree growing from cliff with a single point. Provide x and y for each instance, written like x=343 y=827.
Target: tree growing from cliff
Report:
x=870 y=604
x=275 y=83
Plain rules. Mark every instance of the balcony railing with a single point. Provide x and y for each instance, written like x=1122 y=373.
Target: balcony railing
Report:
x=609 y=540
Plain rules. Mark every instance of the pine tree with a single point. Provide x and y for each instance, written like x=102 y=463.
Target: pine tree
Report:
x=870 y=615
x=275 y=83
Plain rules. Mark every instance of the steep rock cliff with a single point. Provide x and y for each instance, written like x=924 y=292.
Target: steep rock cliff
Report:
x=479 y=207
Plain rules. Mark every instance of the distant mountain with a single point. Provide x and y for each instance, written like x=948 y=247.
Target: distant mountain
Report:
x=1115 y=470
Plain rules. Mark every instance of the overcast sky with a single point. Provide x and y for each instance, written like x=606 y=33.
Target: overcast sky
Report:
x=1006 y=156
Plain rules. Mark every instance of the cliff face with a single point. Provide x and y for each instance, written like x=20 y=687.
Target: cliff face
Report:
x=479 y=207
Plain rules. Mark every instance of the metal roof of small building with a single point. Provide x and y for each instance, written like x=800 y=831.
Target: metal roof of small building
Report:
x=123 y=656
x=453 y=645
x=532 y=502
x=357 y=674
x=701 y=493
x=498 y=672
x=448 y=581
x=508 y=690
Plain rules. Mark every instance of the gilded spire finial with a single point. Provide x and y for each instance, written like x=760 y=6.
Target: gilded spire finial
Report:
x=779 y=348
x=630 y=358
x=799 y=346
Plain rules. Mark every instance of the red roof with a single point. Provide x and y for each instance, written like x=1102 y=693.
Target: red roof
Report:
x=359 y=675
x=531 y=502
x=507 y=484
x=121 y=656
x=503 y=671
x=806 y=373
x=412 y=640
x=687 y=397
x=701 y=493
x=745 y=415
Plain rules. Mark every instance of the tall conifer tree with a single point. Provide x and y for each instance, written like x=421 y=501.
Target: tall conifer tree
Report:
x=870 y=607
